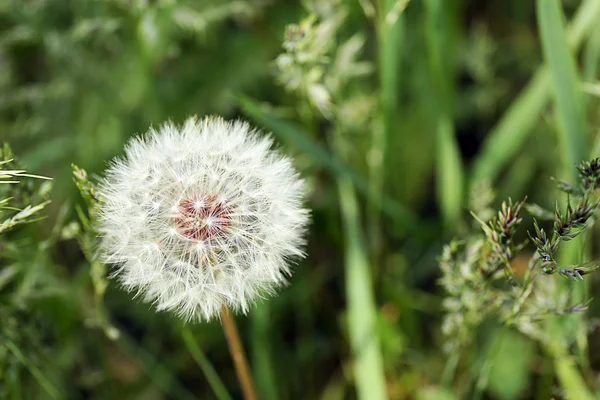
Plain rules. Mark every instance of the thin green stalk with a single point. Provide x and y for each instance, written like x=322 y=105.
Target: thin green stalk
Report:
x=367 y=360
x=449 y=166
x=389 y=45
x=450 y=369
x=569 y=377
x=99 y=281
x=34 y=370
x=511 y=131
x=362 y=312
x=209 y=372
x=160 y=375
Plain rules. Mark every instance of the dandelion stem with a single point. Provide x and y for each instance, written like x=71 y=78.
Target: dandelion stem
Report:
x=237 y=353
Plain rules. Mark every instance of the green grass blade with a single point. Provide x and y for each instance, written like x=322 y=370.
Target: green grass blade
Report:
x=509 y=134
x=449 y=167
x=160 y=375
x=591 y=55
x=389 y=45
x=209 y=372
x=34 y=370
x=566 y=84
x=362 y=312
x=565 y=367
x=572 y=135
x=571 y=380
x=506 y=138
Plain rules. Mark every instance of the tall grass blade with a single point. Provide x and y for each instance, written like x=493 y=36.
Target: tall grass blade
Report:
x=208 y=370
x=159 y=374
x=507 y=137
x=362 y=312
x=591 y=56
x=566 y=84
x=389 y=46
x=572 y=135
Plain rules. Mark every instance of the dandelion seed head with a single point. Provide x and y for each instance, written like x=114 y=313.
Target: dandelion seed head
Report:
x=202 y=215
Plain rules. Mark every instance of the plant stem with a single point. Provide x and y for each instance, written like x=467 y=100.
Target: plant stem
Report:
x=368 y=366
x=389 y=48
x=568 y=375
x=160 y=376
x=237 y=353
x=207 y=369
x=450 y=369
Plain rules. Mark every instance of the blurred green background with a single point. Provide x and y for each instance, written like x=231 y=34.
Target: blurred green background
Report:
x=435 y=97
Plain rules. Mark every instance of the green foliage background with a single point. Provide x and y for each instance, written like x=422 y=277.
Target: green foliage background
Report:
x=461 y=91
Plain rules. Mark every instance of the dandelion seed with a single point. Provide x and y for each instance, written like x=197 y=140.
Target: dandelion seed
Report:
x=202 y=216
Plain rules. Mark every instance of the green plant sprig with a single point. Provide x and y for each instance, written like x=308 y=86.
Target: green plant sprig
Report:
x=500 y=232
x=472 y=270
x=570 y=223
x=86 y=236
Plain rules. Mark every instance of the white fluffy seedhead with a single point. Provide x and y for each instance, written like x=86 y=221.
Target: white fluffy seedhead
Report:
x=200 y=216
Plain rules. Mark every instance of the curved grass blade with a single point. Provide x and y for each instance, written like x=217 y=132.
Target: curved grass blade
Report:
x=389 y=27
x=34 y=370
x=506 y=138
x=568 y=97
x=159 y=374
x=209 y=372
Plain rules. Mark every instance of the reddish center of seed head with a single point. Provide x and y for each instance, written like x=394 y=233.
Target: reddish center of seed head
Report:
x=203 y=217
